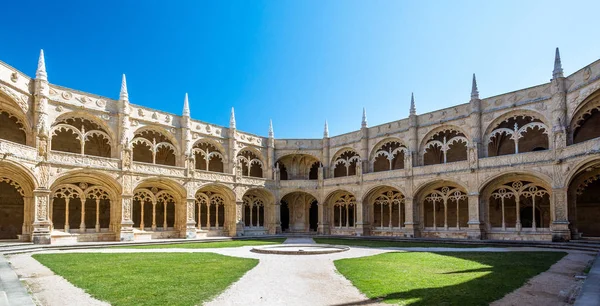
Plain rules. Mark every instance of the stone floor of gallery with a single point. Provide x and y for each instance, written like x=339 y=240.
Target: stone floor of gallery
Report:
x=364 y=273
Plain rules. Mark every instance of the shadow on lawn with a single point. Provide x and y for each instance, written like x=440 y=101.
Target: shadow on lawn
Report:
x=506 y=273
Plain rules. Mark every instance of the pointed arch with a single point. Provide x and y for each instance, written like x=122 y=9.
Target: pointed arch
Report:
x=250 y=162
x=152 y=144
x=344 y=162
x=388 y=154
x=517 y=132
x=585 y=122
x=444 y=144
x=77 y=132
x=208 y=155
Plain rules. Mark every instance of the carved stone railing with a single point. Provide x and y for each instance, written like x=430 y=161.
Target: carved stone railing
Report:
x=587 y=147
x=17 y=150
x=214 y=176
x=374 y=176
x=441 y=168
x=301 y=184
x=157 y=169
x=73 y=159
x=341 y=180
x=255 y=181
x=515 y=159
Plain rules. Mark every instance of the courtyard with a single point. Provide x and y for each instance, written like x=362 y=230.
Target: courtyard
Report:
x=370 y=272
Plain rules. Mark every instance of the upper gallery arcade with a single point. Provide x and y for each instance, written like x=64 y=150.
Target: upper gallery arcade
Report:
x=524 y=165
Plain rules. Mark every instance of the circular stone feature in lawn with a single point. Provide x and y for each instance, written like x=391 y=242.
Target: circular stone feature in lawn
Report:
x=300 y=249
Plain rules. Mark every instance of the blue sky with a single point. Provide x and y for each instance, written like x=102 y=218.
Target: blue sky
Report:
x=299 y=62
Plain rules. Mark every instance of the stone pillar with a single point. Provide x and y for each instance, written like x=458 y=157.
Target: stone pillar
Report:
x=190 y=222
x=560 y=223
x=238 y=230
x=323 y=225
x=360 y=223
x=475 y=230
x=126 y=231
x=411 y=225
x=41 y=223
x=277 y=216
x=558 y=89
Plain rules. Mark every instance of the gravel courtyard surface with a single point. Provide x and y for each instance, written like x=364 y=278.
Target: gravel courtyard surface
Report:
x=298 y=279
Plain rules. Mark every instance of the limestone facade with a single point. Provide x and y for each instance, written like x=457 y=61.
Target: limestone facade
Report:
x=524 y=165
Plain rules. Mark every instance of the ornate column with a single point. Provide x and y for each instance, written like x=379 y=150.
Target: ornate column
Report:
x=364 y=145
x=413 y=140
x=186 y=138
x=475 y=230
x=558 y=106
x=190 y=212
x=126 y=231
x=410 y=224
x=360 y=224
x=476 y=147
x=325 y=152
x=558 y=208
x=276 y=217
x=41 y=223
x=270 y=152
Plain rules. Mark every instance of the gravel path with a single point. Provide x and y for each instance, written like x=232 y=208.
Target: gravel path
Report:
x=297 y=279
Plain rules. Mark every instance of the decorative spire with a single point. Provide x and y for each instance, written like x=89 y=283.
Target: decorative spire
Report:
x=123 y=95
x=186 y=106
x=474 y=91
x=271 y=134
x=232 y=120
x=558 y=71
x=40 y=73
x=413 y=109
x=364 y=118
x=326 y=131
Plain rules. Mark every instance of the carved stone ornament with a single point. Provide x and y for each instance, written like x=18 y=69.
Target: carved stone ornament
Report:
x=42 y=208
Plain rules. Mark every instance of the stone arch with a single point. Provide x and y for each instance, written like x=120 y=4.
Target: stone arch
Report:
x=256 y=205
x=297 y=211
x=159 y=203
x=209 y=155
x=152 y=144
x=384 y=208
x=340 y=211
x=17 y=211
x=85 y=201
x=583 y=199
x=215 y=209
x=345 y=162
x=443 y=208
x=517 y=131
x=19 y=109
x=77 y=132
x=585 y=122
x=250 y=162
x=388 y=154
x=12 y=127
x=514 y=202
x=446 y=143
x=298 y=166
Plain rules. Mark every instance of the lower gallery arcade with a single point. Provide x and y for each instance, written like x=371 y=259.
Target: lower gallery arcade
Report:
x=86 y=206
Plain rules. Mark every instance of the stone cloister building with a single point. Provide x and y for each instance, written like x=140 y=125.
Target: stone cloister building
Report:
x=524 y=165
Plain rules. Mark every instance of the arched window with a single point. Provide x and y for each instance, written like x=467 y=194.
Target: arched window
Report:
x=208 y=157
x=249 y=163
x=585 y=124
x=344 y=211
x=298 y=167
x=389 y=156
x=444 y=209
x=445 y=146
x=388 y=210
x=519 y=204
x=518 y=134
x=211 y=210
x=11 y=128
x=345 y=163
x=82 y=136
x=153 y=147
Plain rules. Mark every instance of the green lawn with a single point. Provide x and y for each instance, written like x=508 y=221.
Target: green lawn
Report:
x=422 y=278
x=149 y=278
x=397 y=244
x=207 y=245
